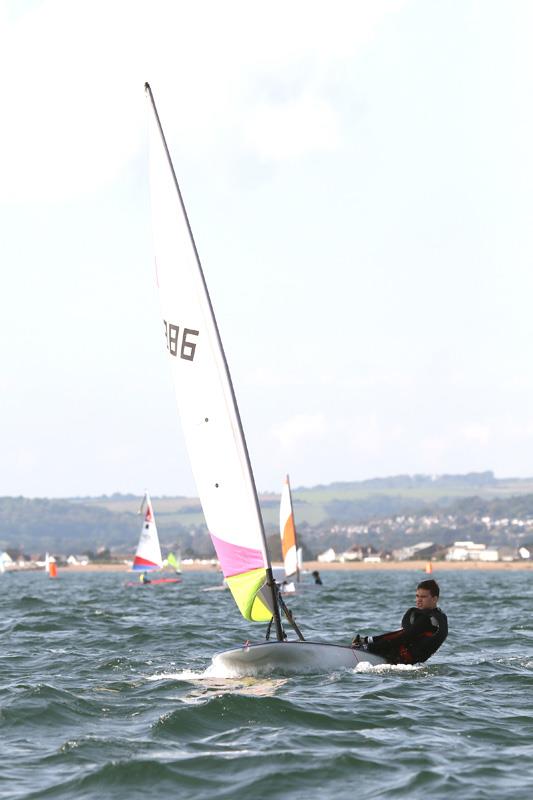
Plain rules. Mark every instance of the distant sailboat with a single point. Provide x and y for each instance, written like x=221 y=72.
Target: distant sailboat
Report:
x=289 y=543
x=5 y=561
x=50 y=566
x=174 y=562
x=215 y=439
x=148 y=556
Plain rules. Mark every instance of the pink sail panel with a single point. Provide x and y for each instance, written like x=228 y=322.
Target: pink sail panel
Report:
x=235 y=559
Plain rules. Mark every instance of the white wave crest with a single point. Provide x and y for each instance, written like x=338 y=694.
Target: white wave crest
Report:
x=182 y=675
x=364 y=666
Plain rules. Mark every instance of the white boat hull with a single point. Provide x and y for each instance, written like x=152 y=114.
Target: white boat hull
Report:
x=289 y=658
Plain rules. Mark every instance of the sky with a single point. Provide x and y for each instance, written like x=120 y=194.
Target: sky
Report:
x=358 y=179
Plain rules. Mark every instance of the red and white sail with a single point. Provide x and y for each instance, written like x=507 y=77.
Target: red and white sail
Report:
x=148 y=555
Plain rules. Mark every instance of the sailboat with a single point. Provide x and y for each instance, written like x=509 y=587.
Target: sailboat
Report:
x=174 y=562
x=215 y=439
x=148 y=555
x=290 y=551
x=51 y=567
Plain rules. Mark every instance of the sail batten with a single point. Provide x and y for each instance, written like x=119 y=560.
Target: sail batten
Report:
x=204 y=392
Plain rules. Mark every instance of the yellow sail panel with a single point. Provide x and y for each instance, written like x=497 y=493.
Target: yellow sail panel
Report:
x=245 y=588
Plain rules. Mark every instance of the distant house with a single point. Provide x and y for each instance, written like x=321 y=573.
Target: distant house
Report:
x=328 y=556
x=470 y=551
x=359 y=552
x=420 y=550
x=75 y=561
x=507 y=553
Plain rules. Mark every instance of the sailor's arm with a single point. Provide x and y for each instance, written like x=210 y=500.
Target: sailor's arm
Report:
x=407 y=634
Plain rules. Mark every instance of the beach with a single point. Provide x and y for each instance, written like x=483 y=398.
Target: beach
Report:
x=436 y=566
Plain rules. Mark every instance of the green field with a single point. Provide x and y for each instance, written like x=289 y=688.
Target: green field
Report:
x=317 y=504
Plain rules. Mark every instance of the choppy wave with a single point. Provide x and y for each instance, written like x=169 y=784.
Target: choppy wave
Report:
x=105 y=693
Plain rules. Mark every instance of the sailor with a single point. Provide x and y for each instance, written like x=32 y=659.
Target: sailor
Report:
x=145 y=578
x=424 y=628
x=316 y=576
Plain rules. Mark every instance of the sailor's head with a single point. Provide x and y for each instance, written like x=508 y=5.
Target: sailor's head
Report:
x=427 y=594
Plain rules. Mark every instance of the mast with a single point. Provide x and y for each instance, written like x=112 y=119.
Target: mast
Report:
x=269 y=575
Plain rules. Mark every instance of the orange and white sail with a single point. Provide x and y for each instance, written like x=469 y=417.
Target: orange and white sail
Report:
x=287 y=529
x=148 y=555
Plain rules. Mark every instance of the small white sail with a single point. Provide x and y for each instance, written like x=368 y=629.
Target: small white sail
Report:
x=6 y=562
x=148 y=555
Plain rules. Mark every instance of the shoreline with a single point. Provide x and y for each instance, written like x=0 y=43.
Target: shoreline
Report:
x=384 y=566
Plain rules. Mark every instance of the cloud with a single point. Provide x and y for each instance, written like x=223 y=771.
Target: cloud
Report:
x=479 y=434
x=300 y=429
x=74 y=111
x=368 y=434
x=71 y=119
x=293 y=129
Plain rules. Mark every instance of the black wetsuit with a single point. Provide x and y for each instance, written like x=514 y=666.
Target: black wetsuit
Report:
x=422 y=633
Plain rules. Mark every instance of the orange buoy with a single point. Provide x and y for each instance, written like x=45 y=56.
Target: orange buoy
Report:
x=52 y=569
x=429 y=568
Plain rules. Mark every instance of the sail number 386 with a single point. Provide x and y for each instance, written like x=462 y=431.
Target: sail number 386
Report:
x=179 y=341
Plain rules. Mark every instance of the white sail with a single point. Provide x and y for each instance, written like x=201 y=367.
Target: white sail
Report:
x=148 y=555
x=206 y=402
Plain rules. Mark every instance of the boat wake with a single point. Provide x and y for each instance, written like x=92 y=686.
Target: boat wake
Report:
x=204 y=684
x=364 y=666
x=181 y=675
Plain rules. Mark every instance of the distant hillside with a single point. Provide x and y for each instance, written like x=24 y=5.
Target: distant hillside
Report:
x=61 y=525
x=86 y=523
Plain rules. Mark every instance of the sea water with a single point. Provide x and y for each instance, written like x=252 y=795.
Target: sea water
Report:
x=104 y=693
